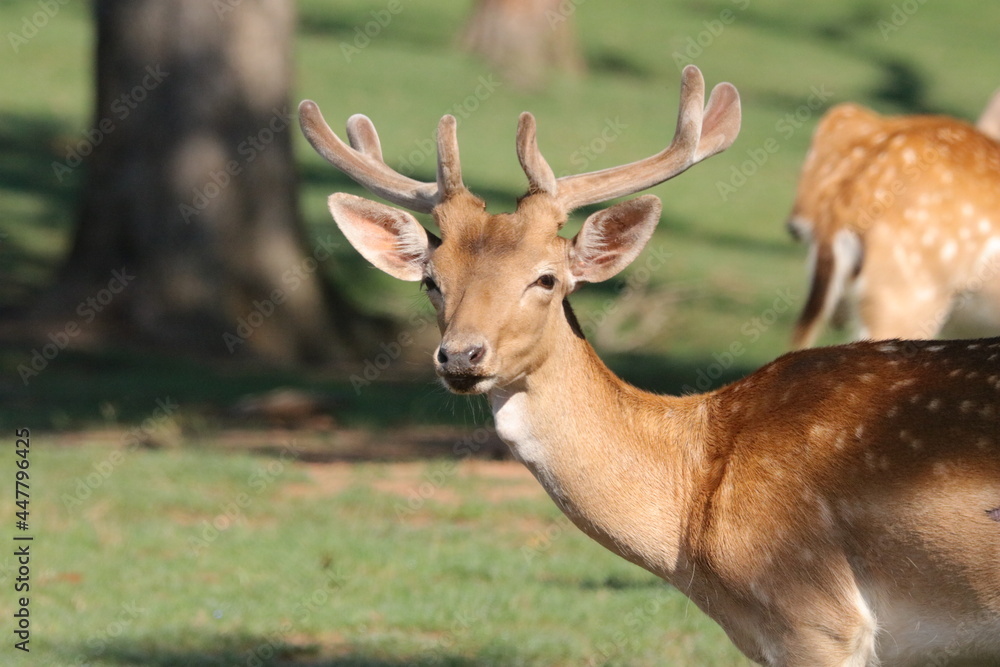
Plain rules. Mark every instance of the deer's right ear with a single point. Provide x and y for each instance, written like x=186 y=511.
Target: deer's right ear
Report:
x=391 y=239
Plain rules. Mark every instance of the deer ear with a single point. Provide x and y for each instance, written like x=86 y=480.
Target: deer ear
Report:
x=387 y=237
x=610 y=239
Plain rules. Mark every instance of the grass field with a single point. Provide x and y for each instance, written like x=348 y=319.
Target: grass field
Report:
x=185 y=535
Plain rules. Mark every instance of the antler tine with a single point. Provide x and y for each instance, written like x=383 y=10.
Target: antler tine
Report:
x=702 y=131
x=362 y=136
x=362 y=161
x=721 y=122
x=538 y=171
x=449 y=168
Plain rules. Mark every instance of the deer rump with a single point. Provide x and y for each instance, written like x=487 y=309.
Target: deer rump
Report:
x=901 y=214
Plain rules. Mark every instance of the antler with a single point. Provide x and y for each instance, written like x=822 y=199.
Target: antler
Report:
x=702 y=131
x=363 y=162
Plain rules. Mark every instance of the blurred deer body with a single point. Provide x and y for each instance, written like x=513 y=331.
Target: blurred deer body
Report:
x=840 y=507
x=903 y=218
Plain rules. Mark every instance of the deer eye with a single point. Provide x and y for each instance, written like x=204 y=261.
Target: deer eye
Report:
x=429 y=285
x=545 y=281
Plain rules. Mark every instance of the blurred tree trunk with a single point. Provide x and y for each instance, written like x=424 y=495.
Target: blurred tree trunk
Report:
x=188 y=232
x=524 y=39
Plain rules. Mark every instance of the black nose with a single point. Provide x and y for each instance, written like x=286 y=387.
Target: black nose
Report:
x=460 y=358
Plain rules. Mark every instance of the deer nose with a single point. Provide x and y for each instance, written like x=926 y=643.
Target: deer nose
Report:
x=459 y=356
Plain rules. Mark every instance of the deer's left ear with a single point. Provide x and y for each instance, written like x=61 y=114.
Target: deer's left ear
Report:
x=612 y=238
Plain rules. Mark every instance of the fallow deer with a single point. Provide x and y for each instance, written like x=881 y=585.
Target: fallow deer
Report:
x=989 y=120
x=840 y=506
x=903 y=218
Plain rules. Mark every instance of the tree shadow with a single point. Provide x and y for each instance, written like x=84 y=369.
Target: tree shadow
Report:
x=265 y=651
x=355 y=32
x=27 y=155
x=674 y=376
x=901 y=82
x=903 y=85
x=618 y=64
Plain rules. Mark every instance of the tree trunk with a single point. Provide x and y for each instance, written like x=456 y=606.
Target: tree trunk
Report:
x=524 y=39
x=188 y=231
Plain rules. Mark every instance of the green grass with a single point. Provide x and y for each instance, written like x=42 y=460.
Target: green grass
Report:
x=432 y=563
x=337 y=578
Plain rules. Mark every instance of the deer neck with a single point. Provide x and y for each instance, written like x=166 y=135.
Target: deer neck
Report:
x=622 y=464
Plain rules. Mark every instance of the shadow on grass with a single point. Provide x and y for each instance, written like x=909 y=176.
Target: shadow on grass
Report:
x=27 y=152
x=901 y=84
x=94 y=389
x=79 y=390
x=272 y=652
x=616 y=583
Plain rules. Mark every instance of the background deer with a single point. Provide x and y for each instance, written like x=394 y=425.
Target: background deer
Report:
x=989 y=121
x=903 y=218
x=840 y=506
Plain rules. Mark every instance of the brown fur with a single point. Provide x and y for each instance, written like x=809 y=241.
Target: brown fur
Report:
x=922 y=196
x=837 y=508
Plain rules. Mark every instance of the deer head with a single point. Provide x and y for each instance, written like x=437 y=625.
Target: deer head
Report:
x=499 y=282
